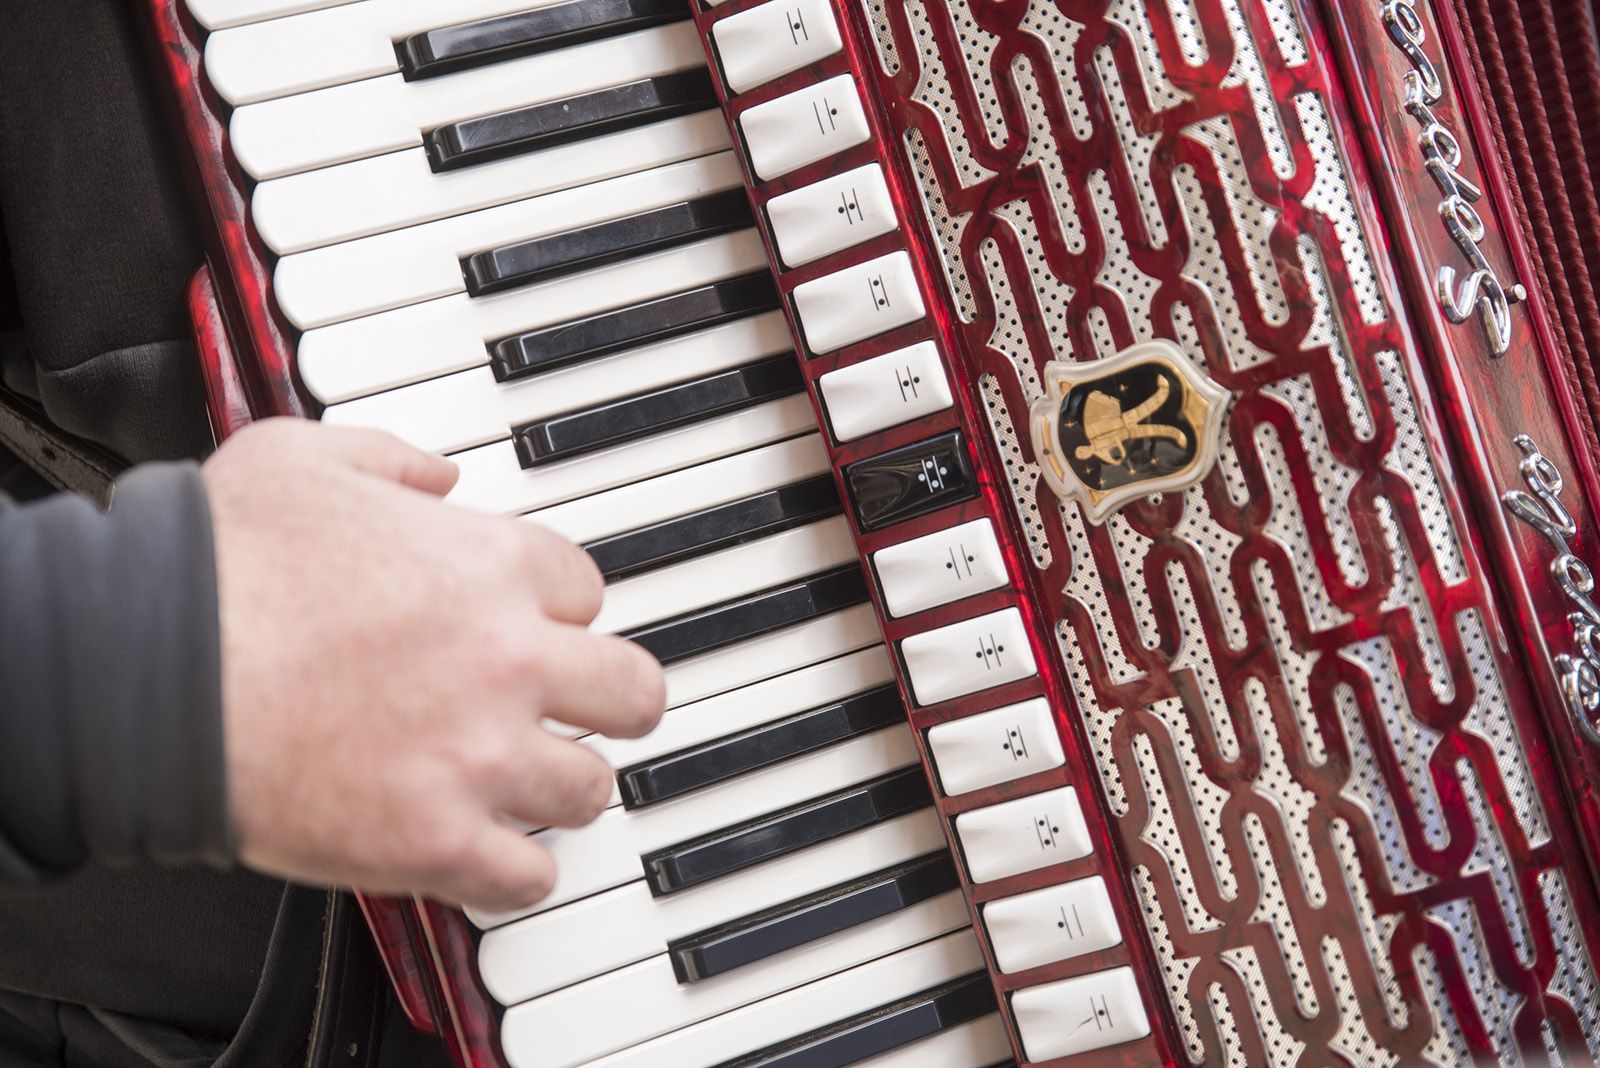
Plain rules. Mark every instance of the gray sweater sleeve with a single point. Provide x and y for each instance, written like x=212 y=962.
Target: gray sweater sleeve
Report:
x=110 y=680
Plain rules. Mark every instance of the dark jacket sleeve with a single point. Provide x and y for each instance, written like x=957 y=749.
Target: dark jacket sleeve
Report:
x=110 y=680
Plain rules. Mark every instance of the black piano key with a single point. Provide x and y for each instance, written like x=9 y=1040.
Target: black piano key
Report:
x=476 y=44
x=911 y=481
x=705 y=765
x=779 y=834
x=795 y=923
x=595 y=246
x=720 y=527
x=879 y=1030
x=565 y=436
x=559 y=122
x=656 y=320
x=750 y=617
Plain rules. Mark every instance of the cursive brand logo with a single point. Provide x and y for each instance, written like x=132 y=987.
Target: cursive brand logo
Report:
x=1540 y=506
x=1481 y=290
x=1109 y=431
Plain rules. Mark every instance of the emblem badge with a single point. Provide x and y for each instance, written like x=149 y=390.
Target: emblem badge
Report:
x=1144 y=421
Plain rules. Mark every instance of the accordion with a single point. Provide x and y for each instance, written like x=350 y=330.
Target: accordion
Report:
x=1113 y=484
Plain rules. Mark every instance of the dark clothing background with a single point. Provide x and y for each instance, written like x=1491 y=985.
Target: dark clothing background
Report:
x=100 y=232
x=133 y=963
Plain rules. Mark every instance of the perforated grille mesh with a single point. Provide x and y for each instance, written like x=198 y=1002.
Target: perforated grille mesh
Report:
x=1137 y=149
x=1329 y=195
x=1022 y=474
x=1132 y=18
x=883 y=36
x=1575 y=980
x=1060 y=37
x=935 y=92
x=977 y=47
x=1287 y=32
x=947 y=226
x=1286 y=675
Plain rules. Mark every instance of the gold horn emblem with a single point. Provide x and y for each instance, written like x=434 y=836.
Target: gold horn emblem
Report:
x=1109 y=431
x=1109 y=428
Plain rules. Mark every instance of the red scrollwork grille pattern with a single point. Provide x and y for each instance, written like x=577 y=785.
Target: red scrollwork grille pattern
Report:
x=1316 y=754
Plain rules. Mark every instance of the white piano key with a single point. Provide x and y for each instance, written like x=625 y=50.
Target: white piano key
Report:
x=814 y=1006
x=970 y=1045
x=683 y=492
x=606 y=853
x=726 y=575
x=329 y=46
x=751 y=706
x=640 y=1002
x=221 y=14
x=369 y=118
x=772 y=654
x=536 y=954
x=395 y=348
x=492 y=479
x=392 y=270
x=469 y=408
x=371 y=196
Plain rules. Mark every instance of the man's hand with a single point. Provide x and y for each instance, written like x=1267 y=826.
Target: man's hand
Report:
x=387 y=662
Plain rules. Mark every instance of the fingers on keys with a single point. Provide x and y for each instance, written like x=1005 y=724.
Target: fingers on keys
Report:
x=606 y=684
x=377 y=453
x=559 y=783
x=501 y=868
x=567 y=584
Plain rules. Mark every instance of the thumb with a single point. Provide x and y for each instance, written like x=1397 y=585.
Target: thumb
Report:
x=382 y=455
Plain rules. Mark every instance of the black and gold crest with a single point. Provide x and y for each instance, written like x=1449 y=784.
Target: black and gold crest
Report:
x=1144 y=421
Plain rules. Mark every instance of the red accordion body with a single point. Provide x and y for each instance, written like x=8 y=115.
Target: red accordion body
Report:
x=1324 y=672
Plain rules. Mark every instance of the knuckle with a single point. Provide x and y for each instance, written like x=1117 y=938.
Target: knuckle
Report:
x=512 y=659
x=480 y=751
x=441 y=859
x=506 y=548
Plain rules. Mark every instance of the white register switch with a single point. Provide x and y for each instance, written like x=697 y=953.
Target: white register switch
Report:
x=1078 y=1015
x=774 y=39
x=1022 y=835
x=858 y=302
x=884 y=391
x=1050 y=924
x=995 y=746
x=975 y=654
x=840 y=211
x=803 y=127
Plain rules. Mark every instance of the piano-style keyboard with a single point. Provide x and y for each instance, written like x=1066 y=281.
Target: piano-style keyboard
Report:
x=520 y=238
